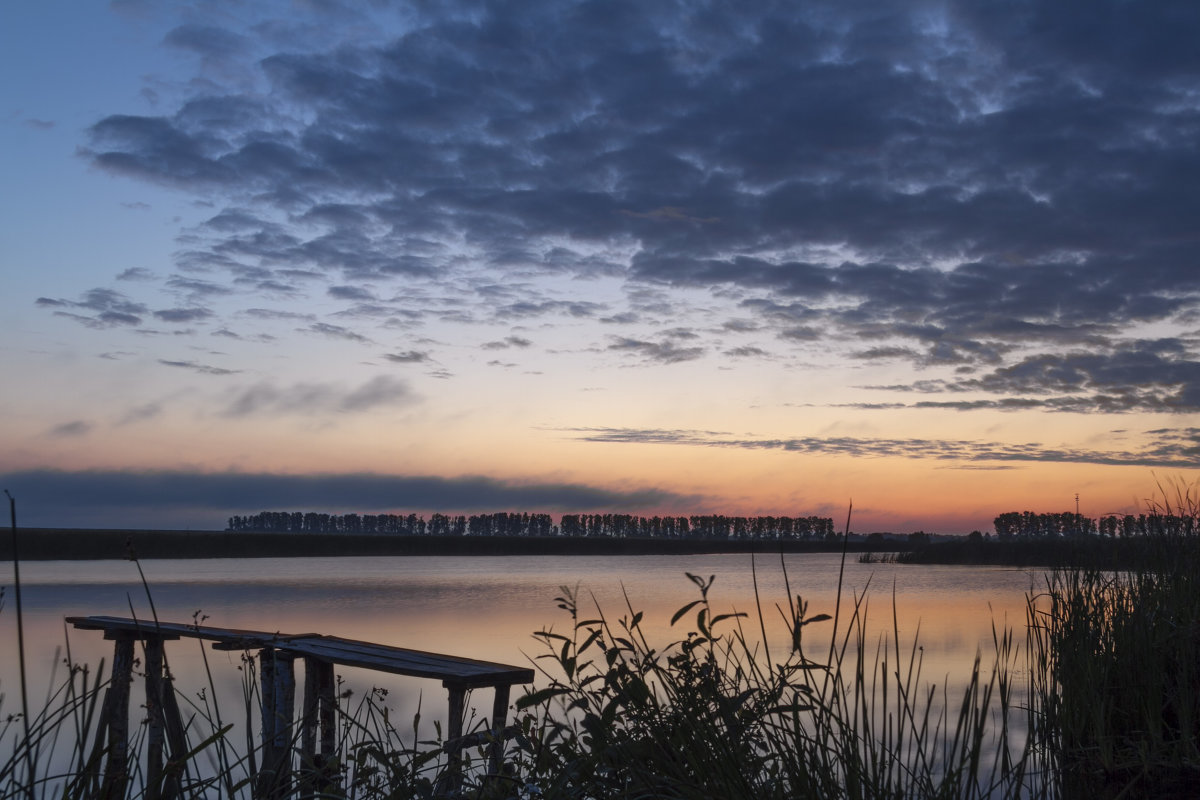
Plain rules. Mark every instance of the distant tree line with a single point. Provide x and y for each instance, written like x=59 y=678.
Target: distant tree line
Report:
x=1028 y=525
x=524 y=524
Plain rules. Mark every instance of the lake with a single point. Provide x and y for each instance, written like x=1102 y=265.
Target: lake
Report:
x=488 y=607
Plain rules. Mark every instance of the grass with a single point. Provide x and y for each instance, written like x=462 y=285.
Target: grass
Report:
x=1117 y=677
x=717 y=714
x=1101 y=701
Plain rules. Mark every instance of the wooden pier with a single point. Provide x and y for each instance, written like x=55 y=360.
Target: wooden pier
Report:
x=315 y=728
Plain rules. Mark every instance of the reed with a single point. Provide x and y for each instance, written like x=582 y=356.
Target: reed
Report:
x=1110 y=707
x=716 y=714
x=1116 y=669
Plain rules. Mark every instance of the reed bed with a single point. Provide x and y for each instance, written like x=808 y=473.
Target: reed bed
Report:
x=1101 y=701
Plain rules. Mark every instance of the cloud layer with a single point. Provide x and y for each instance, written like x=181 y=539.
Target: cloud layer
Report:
x=106 y=498
x=993 y=193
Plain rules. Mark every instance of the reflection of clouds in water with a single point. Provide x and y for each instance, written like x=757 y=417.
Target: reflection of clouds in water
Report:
x=488 y=608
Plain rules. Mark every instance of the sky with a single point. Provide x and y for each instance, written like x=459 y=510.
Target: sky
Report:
x=936 y=260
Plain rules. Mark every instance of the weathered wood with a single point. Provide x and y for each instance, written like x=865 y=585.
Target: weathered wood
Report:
x=308 y=731
x=499 y=719
x=451 y=779
x=265 y=783
x=327 y=706
x=285 y=710
x=317 y=733
x=154 y=717
x=234 y=637
x=116 y=701
x=467 y=672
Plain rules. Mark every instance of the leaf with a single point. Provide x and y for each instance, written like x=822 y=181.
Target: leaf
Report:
x=684 y=610
x=817 y=618
x=541 y=696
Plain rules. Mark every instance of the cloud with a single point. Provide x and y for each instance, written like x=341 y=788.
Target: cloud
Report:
x=747 y=352
x=108 y=308
x=140 y=414
x=657 y=352
x=203 y=369
x=408 y=357
x=71 y=429
x=507 y=342
x=183 y=314
x=107 y=498
x=135 y=274
x=350 y=293
x=319 y=398
x=1170 y=449
x=335 y=332
x=974 y=187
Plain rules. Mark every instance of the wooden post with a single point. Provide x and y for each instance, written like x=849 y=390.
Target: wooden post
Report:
x=317 y=723
x=309 y=717
x=499 y=718
x=451 y=780
x=285 y=709
x=154 y=717
x=265 y=780
x=116 y=702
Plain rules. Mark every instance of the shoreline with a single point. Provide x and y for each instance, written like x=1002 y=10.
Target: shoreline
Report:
x=81 y=544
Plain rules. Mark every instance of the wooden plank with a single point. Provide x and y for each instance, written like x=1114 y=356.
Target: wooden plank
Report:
x=454 y=670
x=457 y=670
x=235 y=638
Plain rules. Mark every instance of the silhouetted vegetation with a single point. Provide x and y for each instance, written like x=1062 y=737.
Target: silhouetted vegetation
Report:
x=1028 y=525
x=619 y=526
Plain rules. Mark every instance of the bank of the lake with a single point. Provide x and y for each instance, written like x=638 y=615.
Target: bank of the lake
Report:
x=41 y=544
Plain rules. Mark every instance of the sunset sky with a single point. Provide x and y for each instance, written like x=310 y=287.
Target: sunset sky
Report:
x=941 y=259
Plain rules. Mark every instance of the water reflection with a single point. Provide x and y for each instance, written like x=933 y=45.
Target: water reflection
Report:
x=487 y=607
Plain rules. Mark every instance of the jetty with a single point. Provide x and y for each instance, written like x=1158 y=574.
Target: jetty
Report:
x=285 y=768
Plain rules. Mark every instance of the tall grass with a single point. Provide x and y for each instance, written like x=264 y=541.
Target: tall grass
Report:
x=1116 y=667
x=1101 y=701
x=716 y=714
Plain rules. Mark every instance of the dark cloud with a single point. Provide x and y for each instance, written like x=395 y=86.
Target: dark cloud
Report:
x=978 y=187
x=1170 y=449
x=335 y=332
x=198 y=288
x=140 y=414
x=350 y=293
x=747 y=352
x=507 y=342
x=1150 y=375
x=135 y=274
x=71 y=429
x=656 y=352
x=124 y=499
x=319 y=398
x=105 y=308
x=408 y=357
x=183 y=314
x=203 y=369
x=275 y=314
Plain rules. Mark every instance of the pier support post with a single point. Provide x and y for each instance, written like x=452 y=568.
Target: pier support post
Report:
x=451 y=780
x=499 y=719
x=277 y=687
x=116 y=712
x=317 y=726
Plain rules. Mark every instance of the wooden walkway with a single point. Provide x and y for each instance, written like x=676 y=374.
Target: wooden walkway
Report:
x=277 y=653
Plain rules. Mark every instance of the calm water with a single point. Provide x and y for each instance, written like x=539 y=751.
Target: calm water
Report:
x=485 y=607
